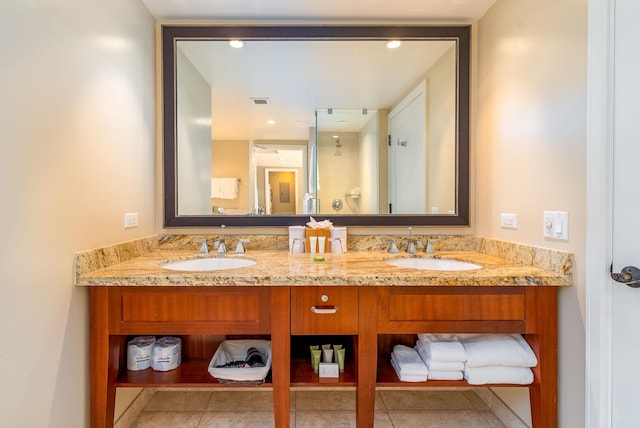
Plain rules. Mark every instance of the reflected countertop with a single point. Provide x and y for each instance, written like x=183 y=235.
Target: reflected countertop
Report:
x=354 y=268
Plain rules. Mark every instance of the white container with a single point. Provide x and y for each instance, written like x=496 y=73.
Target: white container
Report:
x=296 y=239
x=236 y=350
x=338 y=239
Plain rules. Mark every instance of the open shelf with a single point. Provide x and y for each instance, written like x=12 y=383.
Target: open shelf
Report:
x=190 y=373
x=302 y=374
x=387 y=377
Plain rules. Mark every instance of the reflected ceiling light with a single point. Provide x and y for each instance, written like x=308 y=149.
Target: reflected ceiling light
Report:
x=342 y=122
x=392 y=44
x=271 y=122
x=236 y=44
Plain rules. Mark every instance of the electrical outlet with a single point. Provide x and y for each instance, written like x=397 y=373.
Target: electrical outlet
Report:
x=509 y=221
x=555 y=224
x=130 y=220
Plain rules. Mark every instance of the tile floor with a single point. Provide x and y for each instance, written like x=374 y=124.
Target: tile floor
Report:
x=335 y=409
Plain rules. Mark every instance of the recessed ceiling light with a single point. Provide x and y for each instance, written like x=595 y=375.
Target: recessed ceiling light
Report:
x=271 y=122
x=342 y=122
x=236 y=44
x=392 y=44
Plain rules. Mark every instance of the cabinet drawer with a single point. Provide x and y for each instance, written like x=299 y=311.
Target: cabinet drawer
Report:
x=324 y=310
x=455 y=308
x=201 y=308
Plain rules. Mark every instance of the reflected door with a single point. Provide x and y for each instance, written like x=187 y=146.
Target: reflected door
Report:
x=407 y=155
x=282 y=188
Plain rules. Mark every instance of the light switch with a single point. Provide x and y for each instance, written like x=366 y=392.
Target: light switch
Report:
x=555 y=225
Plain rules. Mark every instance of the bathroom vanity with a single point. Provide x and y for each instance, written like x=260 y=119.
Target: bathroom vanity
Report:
x=375 y=307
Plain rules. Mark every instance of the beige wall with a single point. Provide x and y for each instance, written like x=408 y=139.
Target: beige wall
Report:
x=230 y=159
x=530 y=153
x=77 y=112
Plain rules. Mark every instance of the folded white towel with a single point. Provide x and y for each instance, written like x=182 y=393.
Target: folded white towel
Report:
x=445 y=374
x=437 y=365
x=498 y=350
x=446 y=366
x=408 y=361
x=498 y=374
x=408 y=378
x=435 y=349
x=405 y=370
x=224 y=188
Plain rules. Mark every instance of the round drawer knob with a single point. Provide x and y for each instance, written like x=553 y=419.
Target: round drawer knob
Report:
x=324 y=298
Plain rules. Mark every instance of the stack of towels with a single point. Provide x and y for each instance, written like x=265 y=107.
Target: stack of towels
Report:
x=498 y=358
x=478 y=358
x=443 y=355
x=408 y=365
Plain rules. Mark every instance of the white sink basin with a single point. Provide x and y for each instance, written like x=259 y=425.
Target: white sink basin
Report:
x=433 y=264
x=205 y=264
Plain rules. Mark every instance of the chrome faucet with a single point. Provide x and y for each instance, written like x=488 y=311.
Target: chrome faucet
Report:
x=204 y=249
x=429 y=248
x=393 y=248
x=220 y=245
x=411 y=246
x=240 y=247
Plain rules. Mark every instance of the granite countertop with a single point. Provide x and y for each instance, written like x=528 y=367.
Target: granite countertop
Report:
x=359 y=268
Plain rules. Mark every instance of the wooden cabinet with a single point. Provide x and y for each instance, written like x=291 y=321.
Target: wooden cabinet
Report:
x=367 y=320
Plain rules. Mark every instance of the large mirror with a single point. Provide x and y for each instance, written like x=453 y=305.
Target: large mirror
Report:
x=363 y=125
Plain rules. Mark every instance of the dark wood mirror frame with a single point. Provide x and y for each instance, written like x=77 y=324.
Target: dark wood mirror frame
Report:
x=171 y=34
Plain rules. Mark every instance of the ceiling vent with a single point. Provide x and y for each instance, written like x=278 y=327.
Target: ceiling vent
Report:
x=260 y=101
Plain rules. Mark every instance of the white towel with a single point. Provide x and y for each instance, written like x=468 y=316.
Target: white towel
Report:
x=405 y=377
x=446 y=366
x=437 y=365
x=498 y=374
x=498 y=350
x=408 y=361
x=437 y=349
x=224 y=188
x=445 y=374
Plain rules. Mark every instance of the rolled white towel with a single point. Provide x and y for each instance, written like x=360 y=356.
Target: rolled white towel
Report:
x=445 y=374
x=408 y=378
x=498 y=350
x=408 y=361
x=442 y=350
x=498 y=374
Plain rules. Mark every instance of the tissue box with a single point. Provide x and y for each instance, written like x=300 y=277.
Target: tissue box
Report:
x=317 y=232
x=236 y=350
